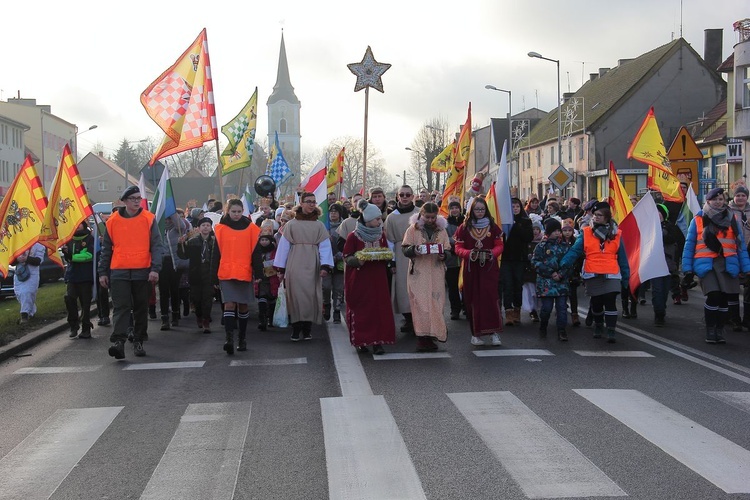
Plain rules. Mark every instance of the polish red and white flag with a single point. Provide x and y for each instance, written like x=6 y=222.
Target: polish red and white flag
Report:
x=642 y=239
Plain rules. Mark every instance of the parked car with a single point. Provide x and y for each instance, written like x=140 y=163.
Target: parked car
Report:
x=6 y=287
x=49 y=271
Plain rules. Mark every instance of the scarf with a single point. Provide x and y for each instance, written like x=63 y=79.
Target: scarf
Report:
x=237 y=225
x=368 y=234
x=481 y=223
x=605 y=231
x=714 y=221
x=404 y=209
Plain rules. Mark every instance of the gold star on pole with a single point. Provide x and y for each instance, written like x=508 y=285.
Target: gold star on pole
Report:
x=368 y=72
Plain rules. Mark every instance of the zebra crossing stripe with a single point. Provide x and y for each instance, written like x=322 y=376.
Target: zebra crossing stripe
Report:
x=269 y=362
x=714 y=457
x=615 y=354
x=366 y=456
x=740 y=400
x=352 y=378
x=36 y=467
x=542 y=462
x=165 y=366
x=203 y=458
x=410 y=355
x=512 y=352
x=34 y=370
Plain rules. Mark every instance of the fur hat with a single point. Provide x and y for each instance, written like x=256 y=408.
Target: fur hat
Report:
x=129 y=192
x=715 y=192
x=551 y=225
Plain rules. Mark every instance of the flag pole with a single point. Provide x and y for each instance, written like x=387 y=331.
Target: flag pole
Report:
x=218 y=174
x=364 y=155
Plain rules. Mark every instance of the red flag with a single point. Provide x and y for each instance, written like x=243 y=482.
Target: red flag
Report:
x=181 y=101
x=642 y=238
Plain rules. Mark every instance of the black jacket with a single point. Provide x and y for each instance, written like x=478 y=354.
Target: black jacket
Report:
x=203 y=267
x=517 y=241
x=79 y=255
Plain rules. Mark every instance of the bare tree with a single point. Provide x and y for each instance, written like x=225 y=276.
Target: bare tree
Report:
x=377 y=175
x=430 y=140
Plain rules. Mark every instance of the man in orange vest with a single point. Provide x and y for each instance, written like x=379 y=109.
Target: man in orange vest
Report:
x=129 y=264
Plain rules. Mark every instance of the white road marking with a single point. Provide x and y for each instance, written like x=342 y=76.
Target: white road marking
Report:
x=540 y=460
x=269 y=362
x=56 y=369
x=35 y=468
x=714 y=457
x=615 y=354
x=512 y=352
x=740 y=400
x=165 y=366
x=410 y=355
x=366 y=456
x=203 y=458
x=349 y=369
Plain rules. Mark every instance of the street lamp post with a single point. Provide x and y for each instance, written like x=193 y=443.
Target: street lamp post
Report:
x=75 y=138
x=419 y=155
x=537 y=55
x=510 y=127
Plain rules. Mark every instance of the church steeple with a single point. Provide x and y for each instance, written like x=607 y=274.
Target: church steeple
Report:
x=283 y=90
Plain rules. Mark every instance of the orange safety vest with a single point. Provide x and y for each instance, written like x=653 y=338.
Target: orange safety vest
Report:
x=727 y=239
x=131 y=240
x=236 y=249
x=600 y=259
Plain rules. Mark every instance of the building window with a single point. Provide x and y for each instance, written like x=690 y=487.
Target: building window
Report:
x=282 y=126
x=580 y=148
x=746 y=87
x=538 y=158
x=552 y=155
x=103 y=186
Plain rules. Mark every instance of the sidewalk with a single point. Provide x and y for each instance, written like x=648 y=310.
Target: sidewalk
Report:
x=18 y=346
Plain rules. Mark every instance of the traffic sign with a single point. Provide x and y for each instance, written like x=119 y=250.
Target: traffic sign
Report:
x=684 y=147
x=560 y=178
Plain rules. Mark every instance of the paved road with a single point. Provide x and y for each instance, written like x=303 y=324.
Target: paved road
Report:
x=657 y=415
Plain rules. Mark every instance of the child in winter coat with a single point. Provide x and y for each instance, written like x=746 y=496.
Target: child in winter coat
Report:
x=530 y=300
x=551 y=284
x=569 y=235
x=79 y=279
x=199 y=250
x=265 y=278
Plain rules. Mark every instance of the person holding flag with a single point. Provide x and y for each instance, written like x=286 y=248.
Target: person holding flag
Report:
x=715 y=251
x=79 y=280
x=26 y=279
x=130 y=261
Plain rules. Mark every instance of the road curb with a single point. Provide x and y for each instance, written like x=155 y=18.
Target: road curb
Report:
x=34 y=337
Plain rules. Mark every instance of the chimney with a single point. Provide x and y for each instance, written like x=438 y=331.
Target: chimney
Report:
x=568 y=95
x=101 y=154
x=602 y=71
x=620 y=62
x=593 y=76
x=712 y=47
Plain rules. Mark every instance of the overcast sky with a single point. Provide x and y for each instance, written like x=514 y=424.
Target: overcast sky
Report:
x=91 y=60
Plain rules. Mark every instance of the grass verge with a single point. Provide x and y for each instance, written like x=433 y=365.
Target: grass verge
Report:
x=50 y=307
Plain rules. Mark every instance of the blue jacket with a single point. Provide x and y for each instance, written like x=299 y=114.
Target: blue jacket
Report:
x=735 y=264
x=546 y=260
x=576 y=251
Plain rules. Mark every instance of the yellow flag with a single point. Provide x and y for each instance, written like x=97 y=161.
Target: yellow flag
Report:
x=335 y=173
x=240 y=132
x=648 y=147
x=69 y=204
x=22 y=214
x=444 y=161
x=454 y=186
x=619 y=201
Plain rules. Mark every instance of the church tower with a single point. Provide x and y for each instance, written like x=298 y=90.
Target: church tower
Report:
x=283 y=115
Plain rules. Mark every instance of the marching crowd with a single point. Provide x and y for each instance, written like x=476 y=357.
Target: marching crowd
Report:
x=377 y=259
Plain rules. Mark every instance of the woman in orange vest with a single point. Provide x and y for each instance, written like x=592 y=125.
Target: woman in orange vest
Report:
x=605 y=267
x=715 y=251
x=236 y=237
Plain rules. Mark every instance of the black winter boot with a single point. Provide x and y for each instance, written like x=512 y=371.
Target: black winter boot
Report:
x=262 y=320
x=152 y=311
x=229 y=342
x=176 y=318
x=625 y=304
x=73 y=331
x=611 y=336
x=562 y=335
x=86 y=331
x=164 y=322
x=634 y=309
x=710 y=334
x=543 y=328
x=242 y=344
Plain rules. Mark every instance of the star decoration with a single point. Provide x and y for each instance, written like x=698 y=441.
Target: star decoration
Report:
x=368 y=72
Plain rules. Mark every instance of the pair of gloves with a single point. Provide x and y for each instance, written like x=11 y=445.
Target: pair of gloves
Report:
x=82 y=256
x=688 y=281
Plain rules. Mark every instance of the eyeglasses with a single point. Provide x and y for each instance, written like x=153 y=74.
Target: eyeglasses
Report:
x=134 y=198
x=404 y=195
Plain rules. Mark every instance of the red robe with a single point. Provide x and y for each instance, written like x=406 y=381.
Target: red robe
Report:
x=480 y=283
x=369 y=314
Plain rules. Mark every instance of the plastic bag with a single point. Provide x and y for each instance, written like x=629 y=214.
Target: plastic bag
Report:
x=280 y=313
x=529 y=297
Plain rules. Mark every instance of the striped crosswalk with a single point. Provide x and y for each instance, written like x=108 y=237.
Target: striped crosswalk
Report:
x=368 y=457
